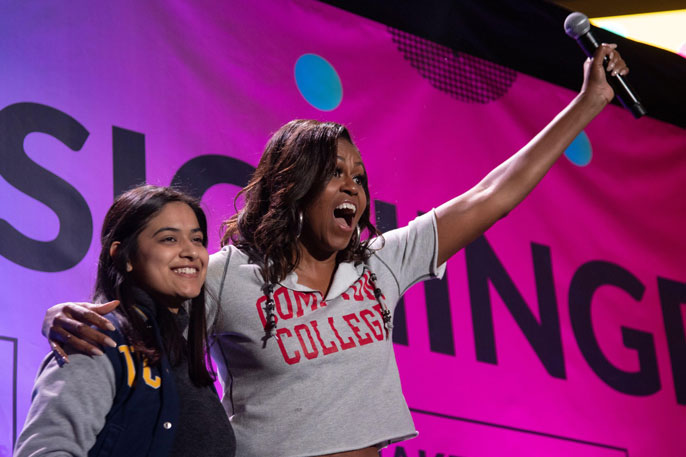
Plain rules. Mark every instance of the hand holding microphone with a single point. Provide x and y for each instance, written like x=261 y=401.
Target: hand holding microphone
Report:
x=578 y=27
x=604 y=64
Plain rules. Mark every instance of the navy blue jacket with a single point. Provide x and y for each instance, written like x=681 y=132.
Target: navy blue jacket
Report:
x=146 y=403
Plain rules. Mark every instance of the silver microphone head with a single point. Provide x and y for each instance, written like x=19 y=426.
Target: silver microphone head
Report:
x=577 y=24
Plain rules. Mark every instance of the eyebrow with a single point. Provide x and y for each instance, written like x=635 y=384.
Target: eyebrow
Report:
x=358 y=163
x=173 y=229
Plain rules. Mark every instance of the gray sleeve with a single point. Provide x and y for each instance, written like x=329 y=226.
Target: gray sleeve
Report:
x=214 y=284
x=411 y=253
x=68 y=407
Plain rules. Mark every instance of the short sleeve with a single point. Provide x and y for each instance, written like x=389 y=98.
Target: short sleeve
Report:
x=410 y=253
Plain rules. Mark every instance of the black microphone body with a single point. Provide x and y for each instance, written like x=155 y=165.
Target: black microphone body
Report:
x=578 y=27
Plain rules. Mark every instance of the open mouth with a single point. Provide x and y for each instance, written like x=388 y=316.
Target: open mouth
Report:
x=345 y=213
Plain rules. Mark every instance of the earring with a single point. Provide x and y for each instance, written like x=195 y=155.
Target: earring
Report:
x=300 y=225
x=129 y=267
x=355 y=239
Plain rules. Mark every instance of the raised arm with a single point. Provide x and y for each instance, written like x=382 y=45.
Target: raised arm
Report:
x=464 y=218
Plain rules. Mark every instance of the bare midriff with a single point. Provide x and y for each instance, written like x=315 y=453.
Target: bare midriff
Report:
x=366 y=452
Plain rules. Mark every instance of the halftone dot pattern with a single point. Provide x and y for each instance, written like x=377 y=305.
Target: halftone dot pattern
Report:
x=318 y=82
x=580 y=151
x=465 y=77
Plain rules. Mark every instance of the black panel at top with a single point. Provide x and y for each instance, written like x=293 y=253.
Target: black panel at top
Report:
x=528 y=37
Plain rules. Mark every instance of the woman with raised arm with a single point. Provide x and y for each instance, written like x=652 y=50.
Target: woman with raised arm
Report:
x=306 y=288
x=151 y=395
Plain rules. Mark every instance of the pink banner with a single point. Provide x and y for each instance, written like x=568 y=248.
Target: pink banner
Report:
x=561 y=332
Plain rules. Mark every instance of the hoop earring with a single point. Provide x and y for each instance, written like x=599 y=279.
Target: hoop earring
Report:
x=355 y=239
x=300 y=225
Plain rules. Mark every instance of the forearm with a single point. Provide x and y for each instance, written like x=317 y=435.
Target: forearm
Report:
x=509 y=183
x=467 y=216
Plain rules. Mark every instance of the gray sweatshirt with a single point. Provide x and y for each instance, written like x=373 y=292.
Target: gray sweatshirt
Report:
x=328 y=381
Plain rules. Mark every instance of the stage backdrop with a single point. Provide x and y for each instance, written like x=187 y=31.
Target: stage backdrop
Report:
x=560 y=332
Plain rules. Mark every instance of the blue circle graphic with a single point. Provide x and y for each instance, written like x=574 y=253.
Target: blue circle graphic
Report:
x=580 y=151
x=318 y=82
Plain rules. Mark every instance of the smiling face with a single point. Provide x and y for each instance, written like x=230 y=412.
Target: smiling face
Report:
x=330 y=219
x=171 y=259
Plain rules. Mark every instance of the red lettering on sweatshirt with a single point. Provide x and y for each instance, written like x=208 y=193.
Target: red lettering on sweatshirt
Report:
x=309 y=353
x=357 y=290
x=283 y=304
x=349 y=318
x=375 y=326
x=305 y=302
x=290 y=359
x=344 y=344
x=325 y=349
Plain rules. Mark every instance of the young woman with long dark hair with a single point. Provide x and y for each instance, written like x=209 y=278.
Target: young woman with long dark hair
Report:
x=152 y=393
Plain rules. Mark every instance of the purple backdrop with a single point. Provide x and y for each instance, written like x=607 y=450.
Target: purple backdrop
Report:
x=559 y=333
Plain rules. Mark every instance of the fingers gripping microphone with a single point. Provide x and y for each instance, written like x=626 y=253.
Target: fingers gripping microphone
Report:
x=578 y=27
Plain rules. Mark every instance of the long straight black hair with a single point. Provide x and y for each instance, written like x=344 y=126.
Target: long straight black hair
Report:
x=125 y=220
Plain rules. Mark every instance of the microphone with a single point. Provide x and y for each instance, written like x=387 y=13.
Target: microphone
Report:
x=578 y=27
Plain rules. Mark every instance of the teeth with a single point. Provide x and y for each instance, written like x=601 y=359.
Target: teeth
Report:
x=186 y=270
x=347 y=206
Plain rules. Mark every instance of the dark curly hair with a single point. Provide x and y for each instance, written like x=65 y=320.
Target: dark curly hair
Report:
x=296 y=165
x=126 y=219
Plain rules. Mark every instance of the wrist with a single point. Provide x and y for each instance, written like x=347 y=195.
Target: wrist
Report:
x=592 y=102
